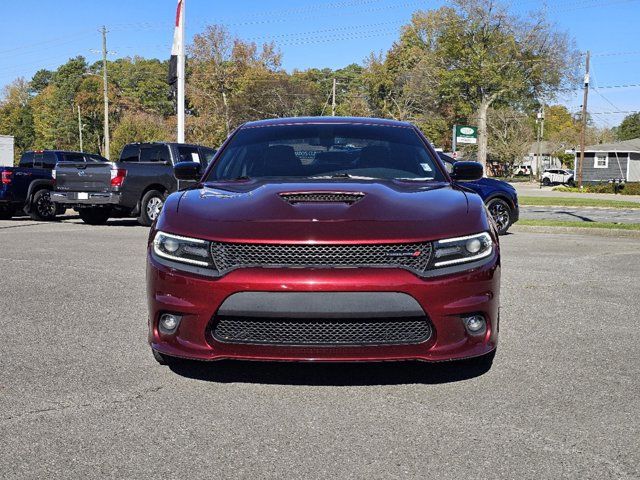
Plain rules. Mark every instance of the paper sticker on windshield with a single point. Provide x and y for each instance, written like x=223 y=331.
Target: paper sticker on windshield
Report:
x=195 y=157
x=426 y=167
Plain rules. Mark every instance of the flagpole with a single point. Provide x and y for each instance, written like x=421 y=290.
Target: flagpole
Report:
x=181 y=77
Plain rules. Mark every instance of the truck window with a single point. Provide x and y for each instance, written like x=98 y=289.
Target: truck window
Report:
x=26 y=161
x=49 y=160
x=93 y=158
x=44 y=160
x=188 y=154
x=130 y=153
x=73 y=157
x=208 y=154
x=155 y=153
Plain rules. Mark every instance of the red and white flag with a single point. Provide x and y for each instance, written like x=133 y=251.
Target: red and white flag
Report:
x=177 y=48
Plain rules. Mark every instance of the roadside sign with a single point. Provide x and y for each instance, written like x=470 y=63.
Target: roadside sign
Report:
x=466 y=134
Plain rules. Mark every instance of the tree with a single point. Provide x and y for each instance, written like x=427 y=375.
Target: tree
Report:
x=510 y=136
x=139 y=127
x=472 y=55
x=16 y=115
x=629 y=128
x=231 y=81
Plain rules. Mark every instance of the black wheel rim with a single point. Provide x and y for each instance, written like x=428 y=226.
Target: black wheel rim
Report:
x=45 y=207
x=500 y=213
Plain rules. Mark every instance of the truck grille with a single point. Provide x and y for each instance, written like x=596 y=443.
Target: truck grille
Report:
x=410 y=256
x=281 y=331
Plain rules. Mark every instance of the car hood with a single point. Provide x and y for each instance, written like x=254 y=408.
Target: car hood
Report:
x=493 y=183
x=256 y=211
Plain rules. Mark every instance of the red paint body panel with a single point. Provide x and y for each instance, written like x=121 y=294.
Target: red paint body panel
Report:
x=391 y=211
x=443 y=299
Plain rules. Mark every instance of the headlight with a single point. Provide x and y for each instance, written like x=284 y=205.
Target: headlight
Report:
x=183 y=249
x=453 y=251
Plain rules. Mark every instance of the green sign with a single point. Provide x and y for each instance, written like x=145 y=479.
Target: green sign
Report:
x=465 y=134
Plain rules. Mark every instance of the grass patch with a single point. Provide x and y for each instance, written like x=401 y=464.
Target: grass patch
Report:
x=576 y=202
x=563 y=223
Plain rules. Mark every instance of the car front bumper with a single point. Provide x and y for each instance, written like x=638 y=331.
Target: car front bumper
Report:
x=444 y=300
x=92 y=198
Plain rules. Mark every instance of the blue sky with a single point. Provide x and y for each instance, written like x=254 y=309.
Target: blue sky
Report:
x=38 y=34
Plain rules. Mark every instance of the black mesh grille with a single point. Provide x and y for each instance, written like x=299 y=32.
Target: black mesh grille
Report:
x=411 y=256
x=286 y=331
x=323 y=197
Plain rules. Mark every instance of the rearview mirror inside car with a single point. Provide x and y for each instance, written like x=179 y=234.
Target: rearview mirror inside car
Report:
x=187 y=171
x=466 y=171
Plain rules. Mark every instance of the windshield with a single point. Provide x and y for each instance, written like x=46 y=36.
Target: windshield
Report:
x=326 y=151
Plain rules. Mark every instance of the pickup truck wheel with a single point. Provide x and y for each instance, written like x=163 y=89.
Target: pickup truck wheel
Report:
x=94 y=216
x=42 y=208
x=501 y=213
x=7 y=212
x=150 y=207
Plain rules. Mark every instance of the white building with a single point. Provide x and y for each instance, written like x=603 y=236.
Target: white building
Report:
x=6 y=151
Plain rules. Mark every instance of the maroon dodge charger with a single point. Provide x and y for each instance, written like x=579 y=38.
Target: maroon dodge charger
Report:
x=324 y=239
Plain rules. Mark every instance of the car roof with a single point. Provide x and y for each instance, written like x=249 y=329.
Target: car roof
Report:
x=327 y=120
x=170 y=143
x=58 y=151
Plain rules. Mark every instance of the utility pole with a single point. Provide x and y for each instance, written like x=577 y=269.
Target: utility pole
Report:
x=333 y=102
x=540 y=122
x=80 y=128
x=584 y=120
x=105 y=92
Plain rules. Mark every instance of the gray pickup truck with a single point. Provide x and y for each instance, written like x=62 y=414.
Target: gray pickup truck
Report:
x=134 y=186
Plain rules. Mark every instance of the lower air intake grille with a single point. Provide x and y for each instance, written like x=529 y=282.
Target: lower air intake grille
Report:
x=410 y=256
x=281 y=331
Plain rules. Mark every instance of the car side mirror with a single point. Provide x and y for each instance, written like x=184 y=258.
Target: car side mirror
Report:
x=187 y=171
x=466 y=171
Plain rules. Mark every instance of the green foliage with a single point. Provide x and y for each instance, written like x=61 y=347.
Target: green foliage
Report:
x=629 y=128
x=139 y=127
x=631 y=188
x=16 y=116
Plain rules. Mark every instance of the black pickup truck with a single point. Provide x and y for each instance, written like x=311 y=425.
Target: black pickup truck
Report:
x=28 y=186
x=134 y=186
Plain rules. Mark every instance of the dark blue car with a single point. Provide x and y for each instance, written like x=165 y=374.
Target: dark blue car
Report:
x=500 y=197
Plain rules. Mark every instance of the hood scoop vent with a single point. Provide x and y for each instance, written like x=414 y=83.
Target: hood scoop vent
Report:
x=322 y=197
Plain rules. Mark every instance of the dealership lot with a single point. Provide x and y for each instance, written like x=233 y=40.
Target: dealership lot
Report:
x=81 y=396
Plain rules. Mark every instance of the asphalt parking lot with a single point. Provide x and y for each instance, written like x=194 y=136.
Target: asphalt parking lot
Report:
x=82 y=397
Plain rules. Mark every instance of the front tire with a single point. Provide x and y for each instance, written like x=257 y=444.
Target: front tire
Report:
x=94 y=216
x=42 y=208
x=150 y=207
x=500 y=210
x=546 y=182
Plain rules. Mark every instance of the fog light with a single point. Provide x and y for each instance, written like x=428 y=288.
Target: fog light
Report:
x=169 y=322
x=475 y=324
